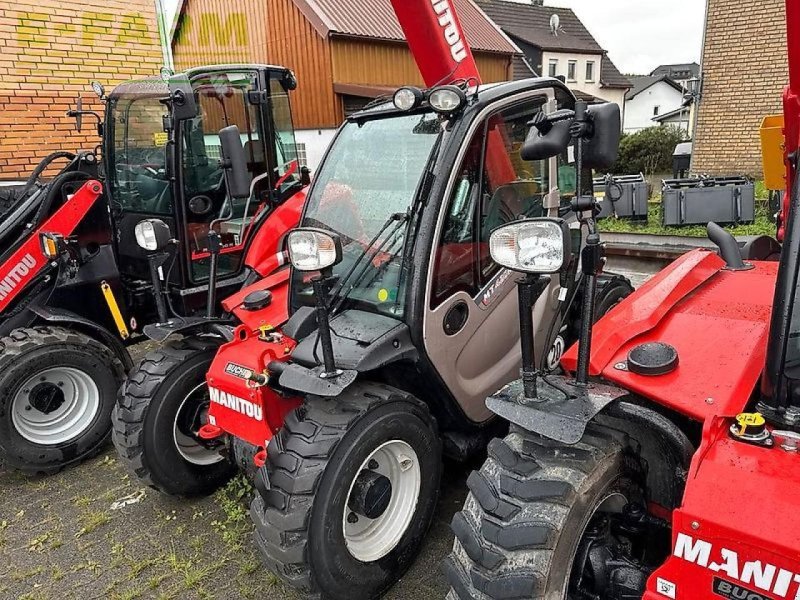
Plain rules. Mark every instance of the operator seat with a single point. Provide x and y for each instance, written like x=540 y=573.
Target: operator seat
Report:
x=511 y=202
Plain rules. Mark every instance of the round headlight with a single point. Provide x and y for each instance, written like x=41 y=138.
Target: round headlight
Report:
x=447 y=99
x=407 y=98
x=152 y=234
x=531 y=246
x=313 y=249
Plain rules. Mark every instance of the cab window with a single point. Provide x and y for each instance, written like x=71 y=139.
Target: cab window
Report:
x=494 y=186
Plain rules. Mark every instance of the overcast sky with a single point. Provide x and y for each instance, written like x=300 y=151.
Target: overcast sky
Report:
x=638 y=34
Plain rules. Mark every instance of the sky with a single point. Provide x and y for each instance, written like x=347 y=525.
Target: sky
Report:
x=639 y=35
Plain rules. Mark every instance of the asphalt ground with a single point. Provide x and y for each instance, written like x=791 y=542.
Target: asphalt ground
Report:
x=92 y=532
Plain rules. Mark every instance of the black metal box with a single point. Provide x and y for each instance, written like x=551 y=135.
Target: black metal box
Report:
x=701 y=200
x=624 y=197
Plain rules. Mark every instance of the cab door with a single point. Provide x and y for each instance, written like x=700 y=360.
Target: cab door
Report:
x=471 y=325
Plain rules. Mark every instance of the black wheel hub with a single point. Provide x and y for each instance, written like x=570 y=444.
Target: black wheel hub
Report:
x=46 y=397
x=193 y=415
x=371 y=494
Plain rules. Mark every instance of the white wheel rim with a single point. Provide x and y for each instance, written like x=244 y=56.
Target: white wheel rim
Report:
x=368 y=539
x=188 y=447
x=76 y=400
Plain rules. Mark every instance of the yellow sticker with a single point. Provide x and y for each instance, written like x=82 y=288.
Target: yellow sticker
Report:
x=160 y=138
x=383 y=295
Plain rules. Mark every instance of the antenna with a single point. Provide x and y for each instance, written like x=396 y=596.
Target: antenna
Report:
x=555 y=22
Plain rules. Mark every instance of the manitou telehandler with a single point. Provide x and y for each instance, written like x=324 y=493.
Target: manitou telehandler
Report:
x=398 y=327
x=668 y=467
x=78 y=260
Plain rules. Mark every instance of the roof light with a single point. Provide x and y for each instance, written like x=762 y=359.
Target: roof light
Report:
x=447 y=99
x=408 y=98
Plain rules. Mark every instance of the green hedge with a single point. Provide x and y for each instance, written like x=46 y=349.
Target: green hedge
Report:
x=648 y=151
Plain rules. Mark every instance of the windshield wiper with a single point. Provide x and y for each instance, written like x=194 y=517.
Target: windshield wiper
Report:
x=337 y=296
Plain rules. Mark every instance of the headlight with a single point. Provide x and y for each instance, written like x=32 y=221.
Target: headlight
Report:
x=407 y=98
x=531 y=246
x=314 y=249
x=447 y=99
x=152 y=234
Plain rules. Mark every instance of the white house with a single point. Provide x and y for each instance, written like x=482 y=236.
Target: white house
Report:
x=556 y=43
x=651 y=98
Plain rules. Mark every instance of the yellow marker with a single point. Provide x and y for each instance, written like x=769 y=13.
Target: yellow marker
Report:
x=160 y=138
x=383 y=295
x=108 y=294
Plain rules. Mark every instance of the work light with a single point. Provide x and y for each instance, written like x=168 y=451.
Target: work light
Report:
x=152 y=234
x=313 y=249
x=407 y=98
x=447 y=99
x=531 y=246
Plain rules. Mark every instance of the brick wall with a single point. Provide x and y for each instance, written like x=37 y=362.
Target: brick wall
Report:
x=745 y=70
x=49 y=52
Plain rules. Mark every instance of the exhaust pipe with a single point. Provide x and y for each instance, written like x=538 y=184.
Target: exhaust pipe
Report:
x=728 y=248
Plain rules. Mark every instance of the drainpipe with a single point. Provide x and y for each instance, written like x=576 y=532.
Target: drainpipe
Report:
x=163 y=34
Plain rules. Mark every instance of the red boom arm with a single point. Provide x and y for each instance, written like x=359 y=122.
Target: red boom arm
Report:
x=440 y=49
x=791 y=100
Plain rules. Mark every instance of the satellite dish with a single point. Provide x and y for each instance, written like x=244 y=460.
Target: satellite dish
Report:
x=555 y=22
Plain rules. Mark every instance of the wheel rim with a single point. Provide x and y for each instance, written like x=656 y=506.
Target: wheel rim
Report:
x=55 y=406
x=188 y=419
x=369 y=539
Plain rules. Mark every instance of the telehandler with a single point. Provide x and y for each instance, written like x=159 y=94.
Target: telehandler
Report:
x=349 y=389
x=667 y=466
x=79 y=277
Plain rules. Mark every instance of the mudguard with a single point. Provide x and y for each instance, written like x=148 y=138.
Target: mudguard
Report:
x=69 y=318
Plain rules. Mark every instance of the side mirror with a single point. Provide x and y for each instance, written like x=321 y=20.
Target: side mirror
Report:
x=600 y=151
x=181 y=98
x=546 y=142
x=234 y=162
x=537 y=246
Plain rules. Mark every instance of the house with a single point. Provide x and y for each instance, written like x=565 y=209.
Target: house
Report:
x=680 y=73
x=651 y=100
x=344 y=52
x=50 y=51
x=744 y=69
x=556 y=43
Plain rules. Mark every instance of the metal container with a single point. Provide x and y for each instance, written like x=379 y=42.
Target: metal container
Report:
x=697 y=201
x=624 y=196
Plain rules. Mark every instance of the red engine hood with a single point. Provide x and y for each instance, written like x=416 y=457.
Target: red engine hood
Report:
x=717 y=320
x=738 y=526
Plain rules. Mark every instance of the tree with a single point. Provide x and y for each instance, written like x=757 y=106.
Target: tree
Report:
x=648 y=151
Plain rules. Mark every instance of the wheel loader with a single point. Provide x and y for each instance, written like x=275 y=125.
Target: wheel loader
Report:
x=79 y=275
x=664 y=464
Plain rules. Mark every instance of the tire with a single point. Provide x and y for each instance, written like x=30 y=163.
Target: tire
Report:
x=146 y=416
x=527 y=510
x=65 y=417
x=305 y=486
x=611 y=290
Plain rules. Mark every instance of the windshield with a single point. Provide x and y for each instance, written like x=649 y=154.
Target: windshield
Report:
x=371 y=173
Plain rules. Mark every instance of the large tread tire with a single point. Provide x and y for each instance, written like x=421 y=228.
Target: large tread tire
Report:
x=145 y=413
x=527 y=508
x=611 y=290
x=304 y=487
x=27 y=350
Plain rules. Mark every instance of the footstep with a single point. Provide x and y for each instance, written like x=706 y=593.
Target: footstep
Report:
x=134 y=498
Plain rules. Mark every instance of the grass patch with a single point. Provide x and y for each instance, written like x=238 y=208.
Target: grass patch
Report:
x=92 y=521
x=234 y=501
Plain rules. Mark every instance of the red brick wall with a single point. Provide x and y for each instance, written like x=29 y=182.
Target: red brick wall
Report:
x=49 y=52
x=744 y=73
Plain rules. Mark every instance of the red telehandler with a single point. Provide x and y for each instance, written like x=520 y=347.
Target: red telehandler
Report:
x=150 y=229
x=349 y=388
x=667 y=467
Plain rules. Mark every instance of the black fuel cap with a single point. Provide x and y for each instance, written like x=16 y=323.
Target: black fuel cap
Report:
x=652 y=358
x=257 y=300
